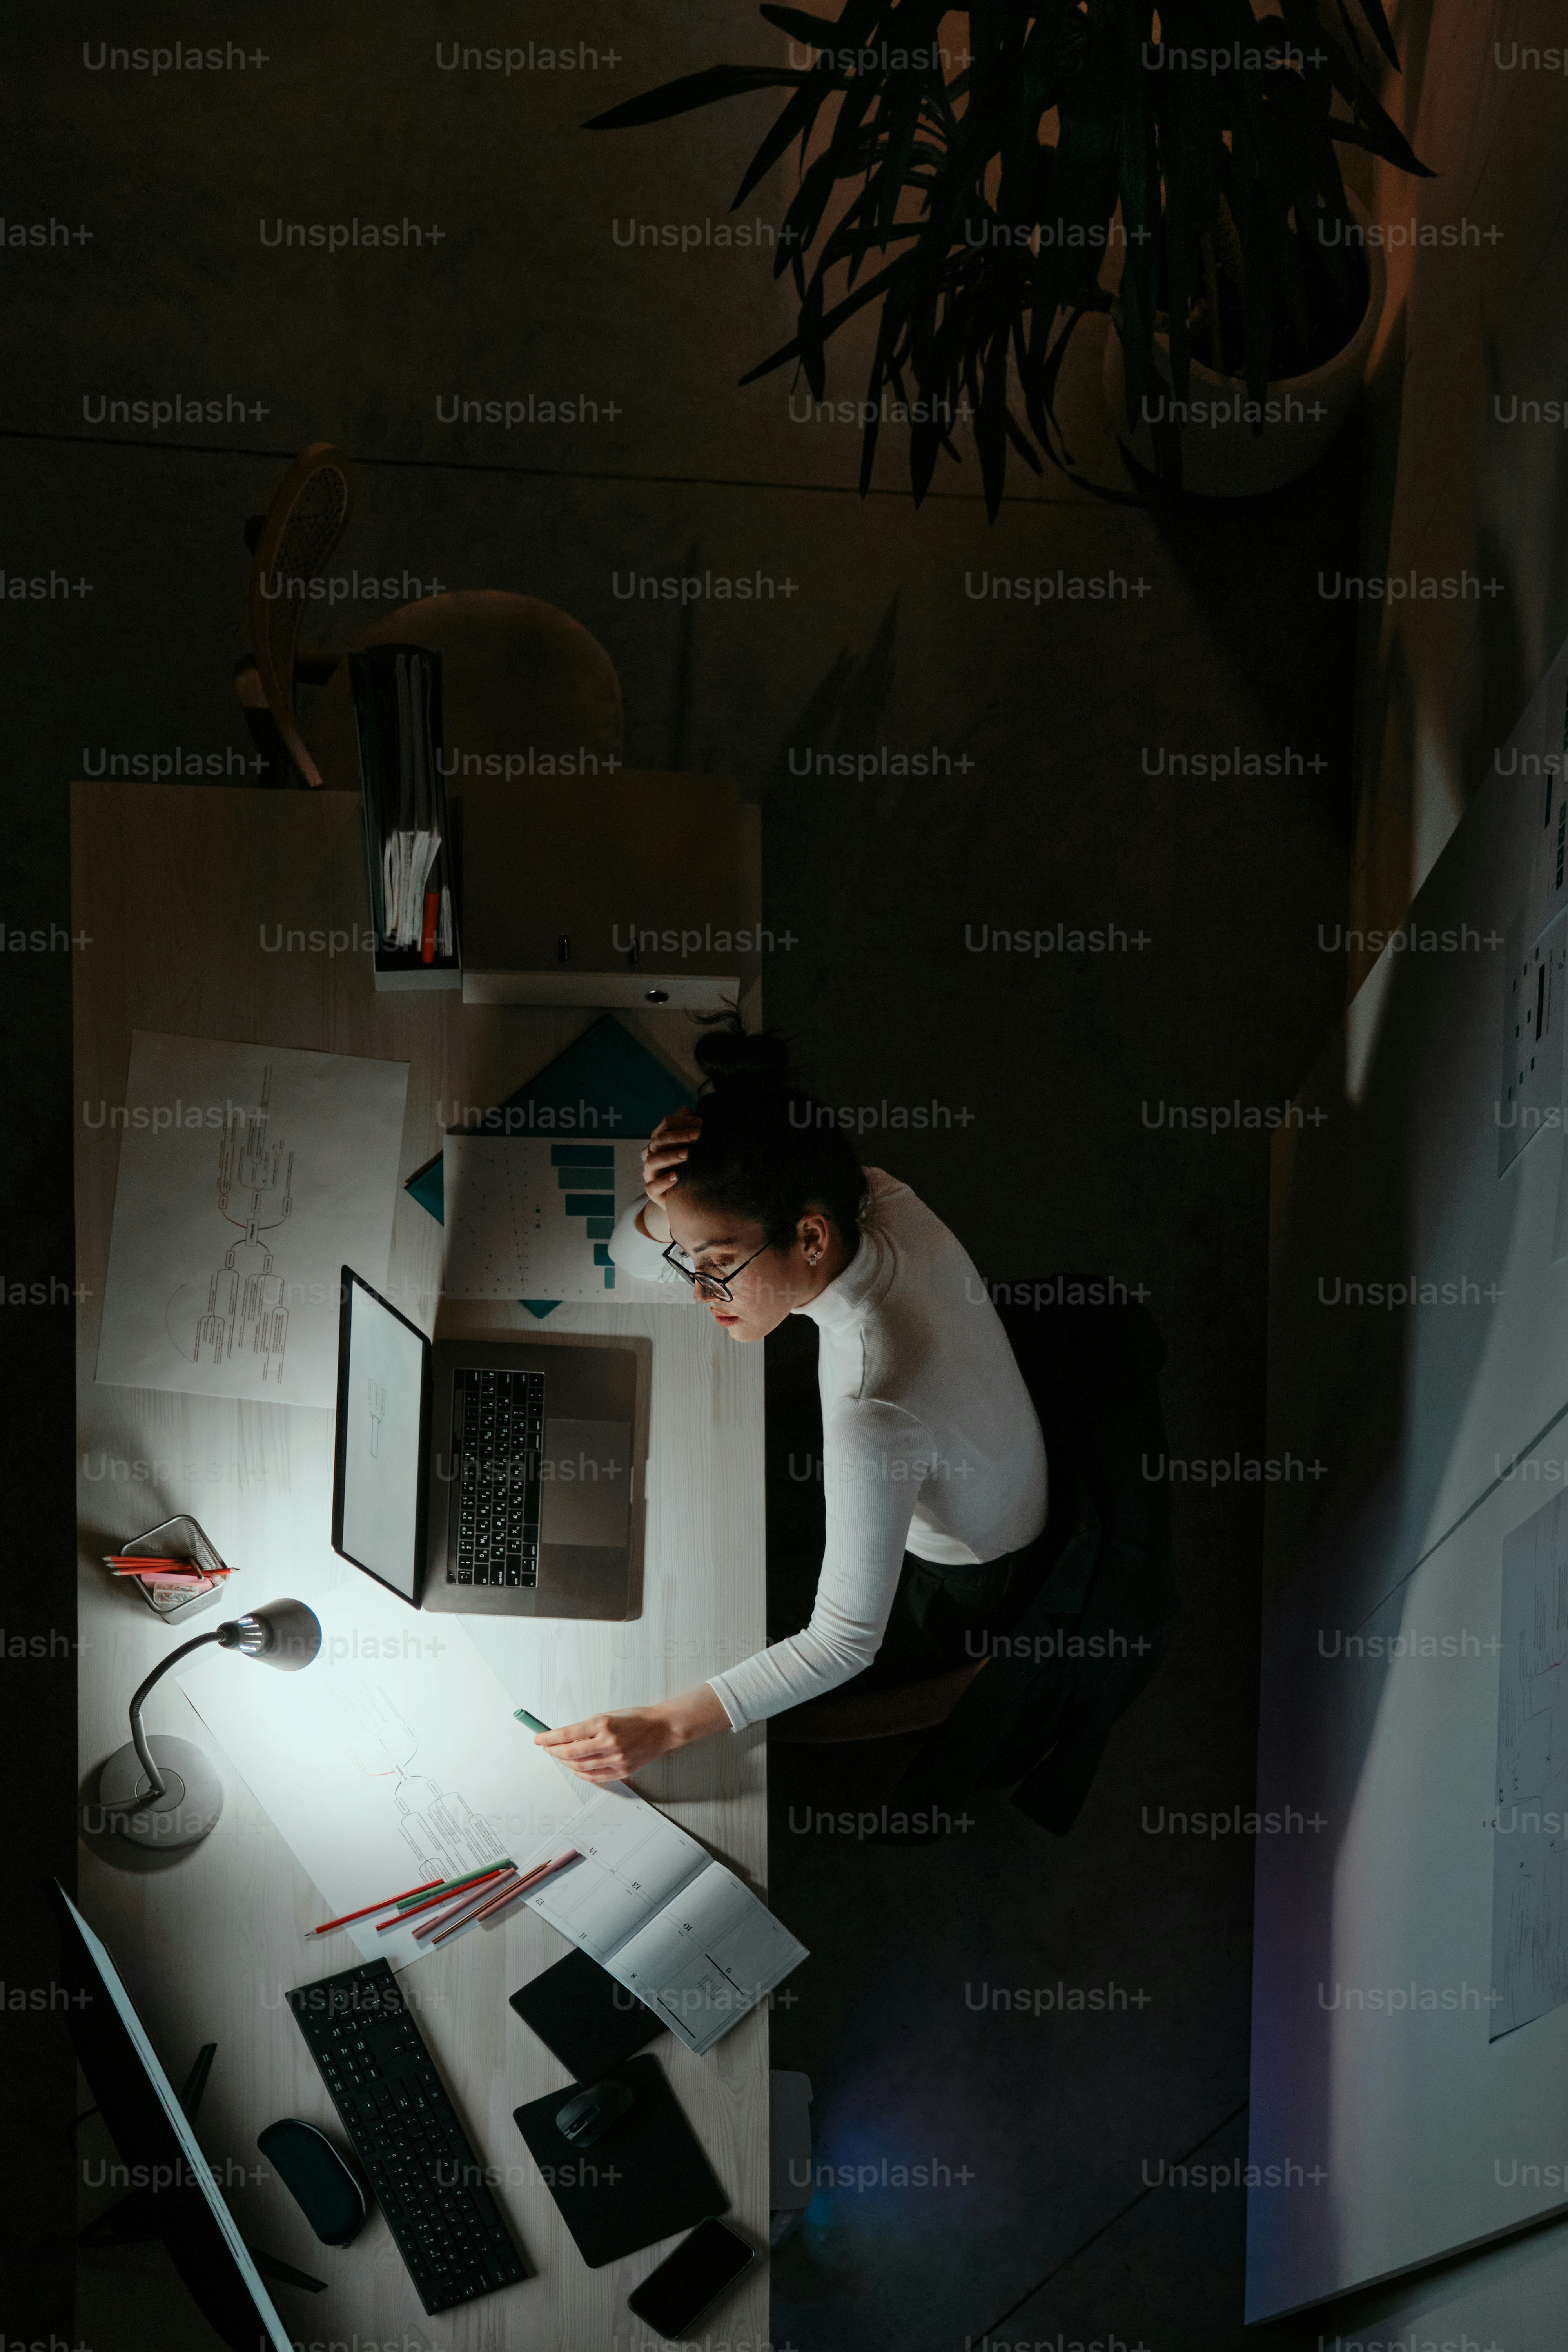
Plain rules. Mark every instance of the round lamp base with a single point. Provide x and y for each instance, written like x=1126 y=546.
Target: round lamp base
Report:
x=183 y=1814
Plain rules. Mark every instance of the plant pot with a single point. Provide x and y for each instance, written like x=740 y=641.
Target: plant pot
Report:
x=1222 y=457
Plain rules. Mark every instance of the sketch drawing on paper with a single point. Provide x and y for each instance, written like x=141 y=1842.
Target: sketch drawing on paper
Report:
x=249 y=1177
x=1530 y=1899
x=243 y=1306
x=441 y=1828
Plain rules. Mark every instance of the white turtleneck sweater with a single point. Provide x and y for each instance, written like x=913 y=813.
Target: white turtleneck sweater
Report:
x=929 y=1443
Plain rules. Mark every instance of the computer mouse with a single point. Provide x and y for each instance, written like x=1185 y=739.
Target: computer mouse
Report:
x=585 y=2118
x=328 y=2194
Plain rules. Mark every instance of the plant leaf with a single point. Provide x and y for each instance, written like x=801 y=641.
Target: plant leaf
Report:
x=1373 y=11
x=797 y=22
x=692 y=90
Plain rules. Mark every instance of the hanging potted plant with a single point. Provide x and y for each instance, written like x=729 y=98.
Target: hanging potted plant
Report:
x=1223 y=437
x=973 y=189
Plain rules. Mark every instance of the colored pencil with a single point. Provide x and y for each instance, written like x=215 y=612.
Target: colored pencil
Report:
x=140 y=1563
x=455 y=1915
x=363 y=1912
x=452 y=1885
x=527 y=1885
x=440 y=1897
x=156 y=1568
x=531 y=1884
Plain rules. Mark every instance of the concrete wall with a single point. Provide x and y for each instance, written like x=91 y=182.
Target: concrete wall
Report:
x=1457 y=482
x=1473 y=326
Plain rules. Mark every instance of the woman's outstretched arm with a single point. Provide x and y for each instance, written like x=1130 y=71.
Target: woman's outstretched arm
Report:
x=610 y=1746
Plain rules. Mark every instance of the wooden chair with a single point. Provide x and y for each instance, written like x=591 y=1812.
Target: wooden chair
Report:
x=874 y=1714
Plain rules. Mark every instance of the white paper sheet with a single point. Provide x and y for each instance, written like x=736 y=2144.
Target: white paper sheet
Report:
x=1530 y=1855
x=392 y=1759
x=527 y=1218
x=250 y=1176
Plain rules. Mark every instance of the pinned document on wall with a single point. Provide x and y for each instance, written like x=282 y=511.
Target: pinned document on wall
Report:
x=1531 y=1079
x=1530 y=1852
x=526 y=1218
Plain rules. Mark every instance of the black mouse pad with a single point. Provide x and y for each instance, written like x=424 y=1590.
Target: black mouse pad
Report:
x=647 y=2178
x=585 y=2018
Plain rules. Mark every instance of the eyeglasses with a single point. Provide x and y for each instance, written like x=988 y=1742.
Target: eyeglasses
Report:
x=718 y=1284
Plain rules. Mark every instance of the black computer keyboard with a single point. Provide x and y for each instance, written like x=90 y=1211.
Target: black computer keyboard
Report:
x=498 y=1436
x=417 y=2156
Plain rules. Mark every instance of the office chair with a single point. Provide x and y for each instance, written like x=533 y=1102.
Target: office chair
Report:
x=874 y=1714
x=790 y=2170
x=1030 y=1717
x=290 y=543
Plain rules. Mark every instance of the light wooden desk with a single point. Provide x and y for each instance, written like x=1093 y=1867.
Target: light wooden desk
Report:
x=176 y=887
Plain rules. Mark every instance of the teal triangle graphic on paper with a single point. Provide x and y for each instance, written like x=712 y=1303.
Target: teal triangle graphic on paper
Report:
x=608 y=1082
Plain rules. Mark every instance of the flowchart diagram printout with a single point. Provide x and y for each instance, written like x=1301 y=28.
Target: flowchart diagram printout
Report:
x=394 y=1759
x=249 y=1177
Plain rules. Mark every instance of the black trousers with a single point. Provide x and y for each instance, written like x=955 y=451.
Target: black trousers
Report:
x=945 y=1617
x=942 y=1617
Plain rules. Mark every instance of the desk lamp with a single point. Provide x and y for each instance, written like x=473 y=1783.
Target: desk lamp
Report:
x=171 y=1784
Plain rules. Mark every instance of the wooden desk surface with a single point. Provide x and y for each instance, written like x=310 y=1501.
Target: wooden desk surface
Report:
x=179 y=890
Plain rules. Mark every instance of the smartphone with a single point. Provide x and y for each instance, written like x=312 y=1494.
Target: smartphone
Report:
x=677 y=2293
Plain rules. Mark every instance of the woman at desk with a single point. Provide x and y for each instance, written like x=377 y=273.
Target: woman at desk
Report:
x=933 y=1464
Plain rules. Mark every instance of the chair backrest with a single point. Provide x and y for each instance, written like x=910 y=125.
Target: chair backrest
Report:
x=789 y=2141
x=1038 y=1719
x=1083 y=1345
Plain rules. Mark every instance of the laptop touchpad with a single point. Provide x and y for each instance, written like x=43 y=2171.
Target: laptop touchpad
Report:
x=585 y=1489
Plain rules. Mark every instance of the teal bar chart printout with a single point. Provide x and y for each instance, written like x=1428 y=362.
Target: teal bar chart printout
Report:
x=528 y=1219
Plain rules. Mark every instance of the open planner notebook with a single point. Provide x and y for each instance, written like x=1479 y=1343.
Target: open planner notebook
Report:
x=664 y=1918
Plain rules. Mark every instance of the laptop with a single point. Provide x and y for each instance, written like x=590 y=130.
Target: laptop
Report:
x=490 y=1477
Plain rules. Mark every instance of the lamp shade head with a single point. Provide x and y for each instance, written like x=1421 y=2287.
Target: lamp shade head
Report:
x=283 y=1634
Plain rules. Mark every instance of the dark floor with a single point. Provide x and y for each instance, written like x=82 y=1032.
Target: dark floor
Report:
x=1047 y=2216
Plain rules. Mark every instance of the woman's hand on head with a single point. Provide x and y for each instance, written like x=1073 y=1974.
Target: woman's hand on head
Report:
x=612 y=1746
x=665 y=1151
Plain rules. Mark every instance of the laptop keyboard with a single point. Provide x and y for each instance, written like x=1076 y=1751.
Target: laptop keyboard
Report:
x=498 y=1437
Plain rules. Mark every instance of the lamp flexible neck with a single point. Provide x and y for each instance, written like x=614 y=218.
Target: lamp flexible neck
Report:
x=158 y=1786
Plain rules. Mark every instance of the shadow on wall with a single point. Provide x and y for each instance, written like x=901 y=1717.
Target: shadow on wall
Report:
x=1456 y=481
x=1266 y=624
x=844 y=712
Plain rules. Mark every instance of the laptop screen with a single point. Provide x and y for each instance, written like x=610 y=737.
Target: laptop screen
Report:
x=380 y=1459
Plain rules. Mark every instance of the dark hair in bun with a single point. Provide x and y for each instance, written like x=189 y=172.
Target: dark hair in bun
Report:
x=768 y=1151
x=730 y=1054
